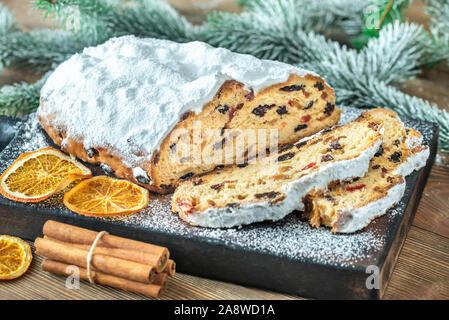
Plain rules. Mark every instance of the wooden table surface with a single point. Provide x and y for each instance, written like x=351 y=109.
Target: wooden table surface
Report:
x=421 y=272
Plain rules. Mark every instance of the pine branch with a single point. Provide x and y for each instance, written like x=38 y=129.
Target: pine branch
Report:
x=7 y=22
x=21 y=98
x=437 y=43
x=39 y=50
x=105 y=19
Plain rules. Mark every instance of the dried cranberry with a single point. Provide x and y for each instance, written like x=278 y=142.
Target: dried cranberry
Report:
x=282 y=110
x=384 y=172
x=357 y=187
x=310 y=165
x=306 y=118
x=300 y=127
x=294 y=87
x=286 y=156
x=239 y=106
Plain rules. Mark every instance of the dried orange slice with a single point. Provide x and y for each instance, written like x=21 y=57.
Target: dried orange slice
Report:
x=106 y=196
x=15 y=257
x=35 y=176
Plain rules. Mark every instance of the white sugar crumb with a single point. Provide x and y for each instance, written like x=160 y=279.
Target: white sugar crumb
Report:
x=129 y=92
x=289 y=237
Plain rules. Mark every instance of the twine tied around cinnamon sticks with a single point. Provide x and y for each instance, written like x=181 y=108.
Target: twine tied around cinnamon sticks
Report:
x=105 y=259
x=91 y=253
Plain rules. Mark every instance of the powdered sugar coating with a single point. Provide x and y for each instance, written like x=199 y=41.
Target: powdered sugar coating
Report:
x=129 y=93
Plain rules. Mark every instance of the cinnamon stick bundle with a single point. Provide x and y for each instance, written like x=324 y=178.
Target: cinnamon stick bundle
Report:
x=132 y=255
x=72 y=234
x=103 y=263
x=151 y=290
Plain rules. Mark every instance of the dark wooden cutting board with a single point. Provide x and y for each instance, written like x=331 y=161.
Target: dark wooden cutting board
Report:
x=287 y=256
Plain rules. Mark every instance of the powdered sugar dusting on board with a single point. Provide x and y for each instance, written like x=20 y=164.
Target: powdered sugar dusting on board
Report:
x=289 y=237
x=129 y=92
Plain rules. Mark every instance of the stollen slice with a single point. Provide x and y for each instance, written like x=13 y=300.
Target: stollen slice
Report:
x=352 y=204
x=271 y=189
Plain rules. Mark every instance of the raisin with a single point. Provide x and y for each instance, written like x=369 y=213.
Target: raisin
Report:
x=242 y=165
x=300 y=127
x=282 y=110
x=301 y=144
x=326 y=158
x=166 y=186
x=336 y=145
x=329 y=108
x=222 y=131
x=232 y=114
x=309 y=105
x=187 y=175
x=380 y=151
x=286 y=156
x=222 y=108
x=269 y=195
x=319 y=86
x=219 y=93
x=197 y=182
x=185 y=115
x=262 y=109
x=250 y=95
x=396 y=143
x=326 y=130
x=395 y=157
x=375 y=167
x=156 y=158
x=219 y=167
x=294 y=87
x=285 y=148
x=373 y=125
x=217 y=186
x=173 y=147
x=91 y=152
x=219 y=144
x=239 y=106
x=143 y=179
x=407 y=130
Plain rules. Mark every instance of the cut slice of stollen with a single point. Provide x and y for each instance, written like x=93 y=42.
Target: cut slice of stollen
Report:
x=351 y=205
x=271 y=189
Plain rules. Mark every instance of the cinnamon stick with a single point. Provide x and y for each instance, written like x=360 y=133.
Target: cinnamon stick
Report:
x=72 y=234
x=151 y=290
x=170 y=269
x=132 y=255
x=161 y=279
x=110 y=265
